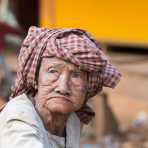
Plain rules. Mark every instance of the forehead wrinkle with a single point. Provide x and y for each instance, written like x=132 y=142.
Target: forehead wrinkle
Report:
x=61 y=64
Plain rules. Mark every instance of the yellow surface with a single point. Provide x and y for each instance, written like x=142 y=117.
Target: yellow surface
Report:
x=108 y=20
x=46 y=13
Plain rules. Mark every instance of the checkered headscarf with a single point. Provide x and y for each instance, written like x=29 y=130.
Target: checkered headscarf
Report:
x=73 y=45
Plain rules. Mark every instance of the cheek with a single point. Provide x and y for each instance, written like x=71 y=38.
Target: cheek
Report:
x=77 y=82
x=40 y=104
x=47 y=79
x=46 y=83
x=44 y=90
x=78 y=95
x=78 y=87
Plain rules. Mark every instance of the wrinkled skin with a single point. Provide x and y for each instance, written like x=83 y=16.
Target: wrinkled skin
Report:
x=61 y=91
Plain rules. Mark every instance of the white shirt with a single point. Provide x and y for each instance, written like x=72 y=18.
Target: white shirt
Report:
x=21 y=127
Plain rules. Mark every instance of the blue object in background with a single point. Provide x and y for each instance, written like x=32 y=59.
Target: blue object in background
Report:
x=91 y=146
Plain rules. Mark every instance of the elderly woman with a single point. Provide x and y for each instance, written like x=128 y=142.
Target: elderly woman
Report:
x=58 y=71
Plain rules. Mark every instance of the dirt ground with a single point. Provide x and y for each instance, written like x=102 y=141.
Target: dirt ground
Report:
x=131 y=95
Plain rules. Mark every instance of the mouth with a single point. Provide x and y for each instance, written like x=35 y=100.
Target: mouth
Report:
x=61 y=98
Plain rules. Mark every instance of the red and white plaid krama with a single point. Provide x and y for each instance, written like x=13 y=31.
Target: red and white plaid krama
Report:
x=73 y=45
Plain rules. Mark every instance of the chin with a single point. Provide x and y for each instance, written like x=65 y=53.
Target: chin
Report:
x=60 y=108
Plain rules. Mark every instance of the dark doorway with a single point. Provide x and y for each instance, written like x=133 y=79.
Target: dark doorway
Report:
x=26 y=12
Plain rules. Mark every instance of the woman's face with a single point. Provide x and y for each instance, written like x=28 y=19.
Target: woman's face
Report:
x=61 y=86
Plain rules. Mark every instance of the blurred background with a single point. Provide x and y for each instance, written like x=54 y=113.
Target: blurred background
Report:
x=121 y=28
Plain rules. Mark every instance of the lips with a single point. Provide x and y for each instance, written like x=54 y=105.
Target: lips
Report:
x=61 y=97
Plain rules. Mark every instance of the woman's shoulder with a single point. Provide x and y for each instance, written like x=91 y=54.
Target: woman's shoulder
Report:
x=19 y=108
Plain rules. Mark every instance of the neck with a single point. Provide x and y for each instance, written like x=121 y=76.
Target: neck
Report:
x=56 y=123
x=53 y=122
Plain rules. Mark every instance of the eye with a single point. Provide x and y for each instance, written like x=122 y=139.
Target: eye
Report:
x=51 y=70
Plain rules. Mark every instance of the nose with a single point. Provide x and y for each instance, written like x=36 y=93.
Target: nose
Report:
x=63 y=87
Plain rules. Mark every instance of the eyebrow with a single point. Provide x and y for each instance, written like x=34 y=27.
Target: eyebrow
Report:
x=55 y=65
x=76 y=69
